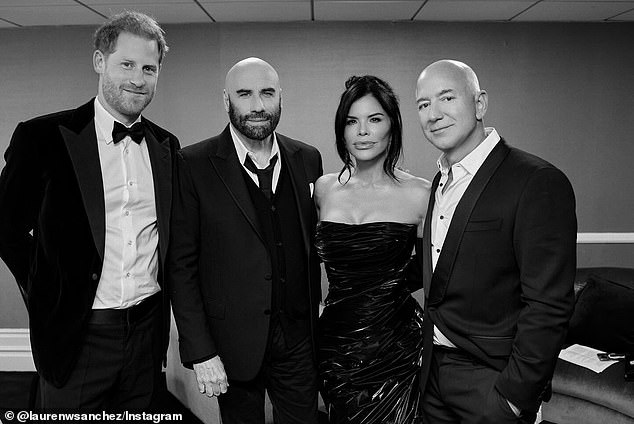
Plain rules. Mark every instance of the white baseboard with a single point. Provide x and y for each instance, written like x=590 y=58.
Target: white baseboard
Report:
x=605 y=238
x=15 y=350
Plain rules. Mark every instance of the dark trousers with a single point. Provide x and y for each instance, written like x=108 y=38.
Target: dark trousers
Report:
x=119 y=366
x=460 y=389
x=289 y=375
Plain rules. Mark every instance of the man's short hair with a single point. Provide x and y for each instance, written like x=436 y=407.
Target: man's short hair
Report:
x=132 y=22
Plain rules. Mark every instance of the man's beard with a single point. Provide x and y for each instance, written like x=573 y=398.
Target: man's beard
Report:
x=255 y=132
x=125 y=103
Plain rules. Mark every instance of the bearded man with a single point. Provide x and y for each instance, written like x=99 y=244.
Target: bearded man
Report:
x=85 y=200
x=245 y=280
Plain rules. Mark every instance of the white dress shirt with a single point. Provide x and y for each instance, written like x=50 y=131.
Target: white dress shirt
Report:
x=447 y=197
x=243 y=151
x=130 y=265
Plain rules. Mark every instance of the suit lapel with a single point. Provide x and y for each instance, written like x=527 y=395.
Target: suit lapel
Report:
x=161 y=160
x=224 y=160
x=81 y=142
x=450 y=248
x=299 y=181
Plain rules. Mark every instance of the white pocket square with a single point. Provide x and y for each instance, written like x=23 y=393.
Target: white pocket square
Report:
x=311 y=186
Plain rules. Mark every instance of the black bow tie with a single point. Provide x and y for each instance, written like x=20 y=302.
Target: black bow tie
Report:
x=136 y=132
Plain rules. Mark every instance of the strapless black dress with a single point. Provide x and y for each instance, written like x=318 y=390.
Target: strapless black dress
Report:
x=371 y=330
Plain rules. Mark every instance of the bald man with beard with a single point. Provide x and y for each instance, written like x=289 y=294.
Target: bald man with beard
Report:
x=245 y=280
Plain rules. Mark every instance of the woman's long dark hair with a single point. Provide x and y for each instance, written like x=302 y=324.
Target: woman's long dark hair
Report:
x=356 y=88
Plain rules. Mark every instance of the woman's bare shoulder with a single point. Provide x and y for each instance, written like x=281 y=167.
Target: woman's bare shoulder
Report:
x=413 y=182
x=417 y=191
x=326 y=182
x=326 y=185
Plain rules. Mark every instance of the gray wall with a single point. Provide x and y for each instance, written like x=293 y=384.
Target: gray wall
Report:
x=561 y=91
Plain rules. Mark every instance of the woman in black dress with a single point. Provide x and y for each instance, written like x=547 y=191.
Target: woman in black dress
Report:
x=370 y=335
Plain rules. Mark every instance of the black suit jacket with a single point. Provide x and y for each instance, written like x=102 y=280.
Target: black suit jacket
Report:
x=502 y=288
x=220 y=270
x=52 y=226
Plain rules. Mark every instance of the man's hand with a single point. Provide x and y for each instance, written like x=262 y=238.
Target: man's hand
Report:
x=211 y=377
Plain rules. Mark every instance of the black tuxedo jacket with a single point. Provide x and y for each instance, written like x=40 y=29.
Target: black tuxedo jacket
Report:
x=502 y=288
x=52 y=226
x=220 y=270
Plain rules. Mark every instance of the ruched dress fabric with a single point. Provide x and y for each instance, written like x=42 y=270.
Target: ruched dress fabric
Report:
x=371 y=329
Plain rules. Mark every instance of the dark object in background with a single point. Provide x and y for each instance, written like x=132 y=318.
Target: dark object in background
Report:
x=603 y=314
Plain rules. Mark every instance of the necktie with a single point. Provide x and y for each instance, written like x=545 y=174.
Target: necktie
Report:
x=136 y=132
x=265 y=176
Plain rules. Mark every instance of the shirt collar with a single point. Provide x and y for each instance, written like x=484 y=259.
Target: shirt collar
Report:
x=242 y=150
x=474 y=160
x=105 y=122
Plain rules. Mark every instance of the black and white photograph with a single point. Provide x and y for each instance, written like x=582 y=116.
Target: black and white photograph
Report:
x=317 y=211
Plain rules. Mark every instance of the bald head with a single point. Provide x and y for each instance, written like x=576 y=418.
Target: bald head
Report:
x=252 y=98
x=249 y=69
x=455 y=70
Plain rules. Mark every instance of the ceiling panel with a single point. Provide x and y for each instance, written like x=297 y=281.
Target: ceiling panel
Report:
x=258 y=11
x=129 y=4
x=577 y=11
x=391 y=10
x=36 y=2
x=164 y=13
x=50 y=15
x=123 y=3
x=306 y=2
x=417 y=2
x=589 y=1
x=472 y=10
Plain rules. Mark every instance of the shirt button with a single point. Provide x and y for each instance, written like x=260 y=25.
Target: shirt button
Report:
x=94 y=276
x=126 y=213
x=129 y=242
x=278 y=244
x=267 y=276
x=273 y=208
x=442 y=217
x=127 y=275
x=437 y=250
x=282 y=280
x=130 y=183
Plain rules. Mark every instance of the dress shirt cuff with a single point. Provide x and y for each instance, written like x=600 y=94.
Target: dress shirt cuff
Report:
x=200 y=360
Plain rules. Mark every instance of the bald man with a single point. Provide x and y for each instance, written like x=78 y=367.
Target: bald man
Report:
x=498 y=261
x=245 y=280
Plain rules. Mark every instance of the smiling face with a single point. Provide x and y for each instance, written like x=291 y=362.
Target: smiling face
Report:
x=367 y=131
x=127 y=76
x=450 y=108
x=253 y=98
